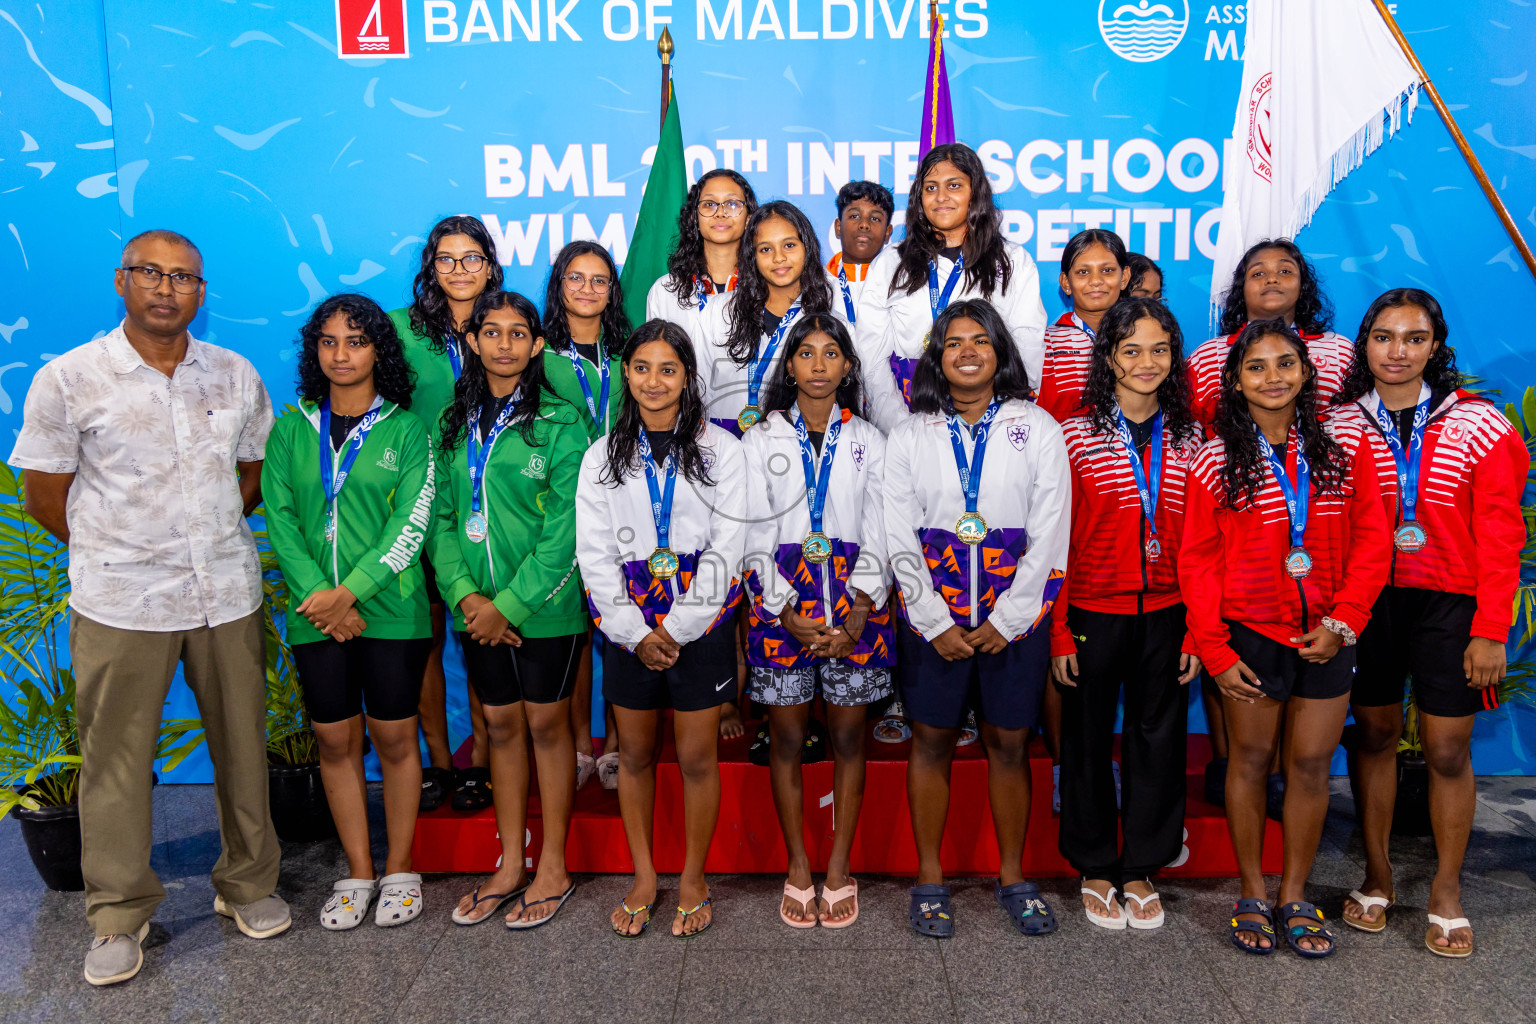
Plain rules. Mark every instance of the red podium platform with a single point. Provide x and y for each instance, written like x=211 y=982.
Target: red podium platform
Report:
x=747 y=838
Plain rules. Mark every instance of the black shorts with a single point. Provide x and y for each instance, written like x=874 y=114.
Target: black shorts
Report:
x=338 y=679
x=434 y=596
x=1423 y=634
x=703 y=677
x=1283 y=673
x=1004 y=689
x=540 y=671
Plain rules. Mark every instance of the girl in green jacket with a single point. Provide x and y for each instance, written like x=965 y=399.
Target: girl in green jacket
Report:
x=584 y=330
x=504 y=546
x=349 y=486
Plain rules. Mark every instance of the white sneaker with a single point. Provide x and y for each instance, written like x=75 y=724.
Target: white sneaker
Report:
x=348 y=903
x=608 y=770
x=399 y=899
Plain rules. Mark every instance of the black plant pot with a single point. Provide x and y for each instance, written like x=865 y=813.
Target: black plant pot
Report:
x=300 y=812
x=1410 y=814
x=52 y=835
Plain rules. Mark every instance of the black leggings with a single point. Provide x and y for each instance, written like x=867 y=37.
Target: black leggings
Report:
x=339 y=678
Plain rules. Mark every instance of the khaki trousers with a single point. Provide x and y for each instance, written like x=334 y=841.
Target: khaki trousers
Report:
x=122 y=677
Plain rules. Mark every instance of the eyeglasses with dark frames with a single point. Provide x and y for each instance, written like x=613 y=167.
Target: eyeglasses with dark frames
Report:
x=472 y=263
x=148 y=278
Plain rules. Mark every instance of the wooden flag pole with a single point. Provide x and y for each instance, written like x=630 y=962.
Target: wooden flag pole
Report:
x=1461 y=141
x=664 y=50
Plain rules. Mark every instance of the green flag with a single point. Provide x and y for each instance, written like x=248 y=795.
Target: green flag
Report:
x=656 y=228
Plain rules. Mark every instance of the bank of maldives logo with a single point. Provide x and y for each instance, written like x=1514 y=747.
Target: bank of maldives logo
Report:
x=1143 y=30
x=371 y=28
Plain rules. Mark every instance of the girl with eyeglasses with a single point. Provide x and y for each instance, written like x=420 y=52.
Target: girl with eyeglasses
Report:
x=703 y=266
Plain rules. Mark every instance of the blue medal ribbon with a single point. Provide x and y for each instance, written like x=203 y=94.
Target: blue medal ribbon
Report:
x=598 y=407
x=1082 y=325
x=939 y=301
x=1407 y=461
x=455 y=357
x=1295 y=494
x=970 y=475
x=842 y=282
x=1147 y=484
x=818 y=471
x=478 y=452
x=661 y=501
x=758 y=368
x=333 y=476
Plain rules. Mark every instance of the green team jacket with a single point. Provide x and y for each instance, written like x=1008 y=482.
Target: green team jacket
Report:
x=434 y=372
x=527 y=563
x=562 y=377
x=383 y=520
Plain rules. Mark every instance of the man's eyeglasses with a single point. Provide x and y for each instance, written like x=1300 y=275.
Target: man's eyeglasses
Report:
x=471 y=263
x=149 y=279
x=731 y=207
x=576 y=282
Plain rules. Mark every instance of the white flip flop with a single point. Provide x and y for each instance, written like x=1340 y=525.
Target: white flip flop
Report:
x=1366 y=904
x=804 y=897
x=399 y=899
x=1145 y=924
x=348 y=903
x=1114 y=924
x=1446 y=926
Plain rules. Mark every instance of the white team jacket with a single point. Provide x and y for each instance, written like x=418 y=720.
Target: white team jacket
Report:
x=615 y=534
x=1026 y=499
x=661 y=304
x=896 y=324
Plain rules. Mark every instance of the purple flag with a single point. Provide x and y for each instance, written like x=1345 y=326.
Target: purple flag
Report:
x=938 y=121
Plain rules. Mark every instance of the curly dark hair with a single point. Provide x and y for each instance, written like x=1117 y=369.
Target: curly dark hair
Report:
x=1314 y=313
x=1440 y=373
x=1242 y=475
x=624 y=439
x=870 y=191
x=782 y=392
x=1141 y=266
x=557 y=332
x=473 y=388
x=1173 y=394
x=393 y=377
x=430 y=316
x=986 y=258
x=930 y=388
x=746 y=314
x=687 y=260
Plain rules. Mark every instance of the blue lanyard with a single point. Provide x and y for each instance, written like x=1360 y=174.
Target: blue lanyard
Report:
x=1146 y=487
x=816 y=483
x=479 y=452
x=1295 y=494
x=661 y=502
x=756 y=370
x=455 y=357
x=1407 y=462
x=842 y=281
x=1079 y=323
x=599 y=408
x=970 y=477
x=937 y=300
x=332 y=476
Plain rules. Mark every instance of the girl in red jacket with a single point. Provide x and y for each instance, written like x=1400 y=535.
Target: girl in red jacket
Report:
x=1452 y=472
x=1285 y=551
x=1120 y=619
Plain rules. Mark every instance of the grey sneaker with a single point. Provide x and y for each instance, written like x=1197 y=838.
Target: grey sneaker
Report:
x=262 y=919
x=115 y=958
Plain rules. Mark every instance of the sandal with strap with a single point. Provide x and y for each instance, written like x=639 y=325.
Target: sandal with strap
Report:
x=646 y=910
x=1030 y=914
x=608 y=770
x=518 y=925
x=1367 y=904
x=969 y=732
x=348 y=904
x=1263 y=929
x=686 y=914
x=1115 y=923
x=500 y=898
x=1446 y=926
x=832 y=897
x=1145 y=924
x=802 y=897
x=893 y=728
x=928 y=913
x=1295 y=933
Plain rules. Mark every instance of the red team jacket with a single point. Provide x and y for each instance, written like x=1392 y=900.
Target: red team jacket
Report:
x=1068 y=356
x=1107 y=566
x=1231 y=565
x=1472 y=476
x=1331 y=353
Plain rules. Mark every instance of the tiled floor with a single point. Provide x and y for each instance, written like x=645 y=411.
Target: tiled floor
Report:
x=750 y=968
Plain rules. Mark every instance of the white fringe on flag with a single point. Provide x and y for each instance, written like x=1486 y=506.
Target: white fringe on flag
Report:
x=1352 y=154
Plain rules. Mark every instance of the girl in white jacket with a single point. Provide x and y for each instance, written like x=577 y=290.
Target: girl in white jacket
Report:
x=954 y=249
x=977 y=507
x=661 y=508
x=701 y=270
x=817 y=553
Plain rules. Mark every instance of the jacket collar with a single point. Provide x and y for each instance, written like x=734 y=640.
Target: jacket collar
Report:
x=311 y=411
x=1012 y=409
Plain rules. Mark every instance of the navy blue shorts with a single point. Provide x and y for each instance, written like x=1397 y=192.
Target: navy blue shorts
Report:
x=1004 y=689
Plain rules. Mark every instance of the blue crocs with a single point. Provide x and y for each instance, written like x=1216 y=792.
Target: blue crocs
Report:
x=1030 y=914
x=928 y=913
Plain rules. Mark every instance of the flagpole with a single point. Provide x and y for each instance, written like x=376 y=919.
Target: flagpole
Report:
x=1461 y=141
x=664 y=49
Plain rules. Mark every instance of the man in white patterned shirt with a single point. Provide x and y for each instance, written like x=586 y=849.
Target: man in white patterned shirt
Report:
x=142 y=451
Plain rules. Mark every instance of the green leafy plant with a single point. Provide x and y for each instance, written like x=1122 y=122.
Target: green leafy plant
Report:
x=290 y=737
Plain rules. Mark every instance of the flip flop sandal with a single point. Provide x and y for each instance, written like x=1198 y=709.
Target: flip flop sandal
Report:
x=523 y=904
x=804 y=897
x=968 y=733
x=1367 y=903
x=436 y=784
x=399 y=899
x=646 y=910
x=1030 y=914
x=1295 y=933
x=1145 y=924
x=928 y=911
x=1446 y=926
x=689 y=913
x=832 y=897
x=1263 y=929
x=893 y=728
x=348 y=903
x=608 y=770
x=474 y=792
x=757 y=753
x=586 y=767
x=1113 y=924
x=476 y=899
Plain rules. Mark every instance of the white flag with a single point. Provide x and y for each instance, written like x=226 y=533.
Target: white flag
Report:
x=1324 y=84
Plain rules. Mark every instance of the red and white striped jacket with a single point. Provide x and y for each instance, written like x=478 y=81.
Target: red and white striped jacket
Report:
x=1231 y=564
x=1107 y=565
x=1068 y=356
x=1472 y=475
x=1331 y=353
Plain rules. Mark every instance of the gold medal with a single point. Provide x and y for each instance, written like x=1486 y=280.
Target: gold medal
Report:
x=817 y=547
x=971 y=528
x=663 y=563
x=750 y=415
